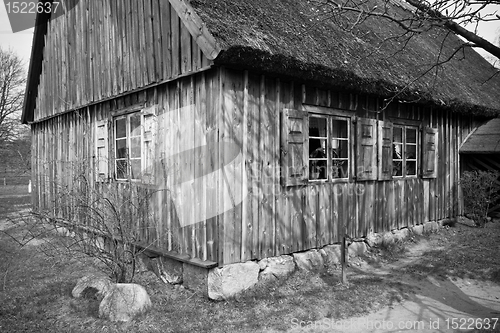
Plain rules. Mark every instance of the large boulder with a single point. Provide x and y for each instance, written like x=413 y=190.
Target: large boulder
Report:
x=228 y=281
x=98 y=285
x=124 y=302
x=357 y=249
x=311 y=260
x=277 y=267
x=332 y=254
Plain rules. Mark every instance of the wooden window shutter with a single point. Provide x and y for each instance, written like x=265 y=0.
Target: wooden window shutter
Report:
x=430 y=153
x=366 y=149
x=293 y=150
x=149 y=122
x=385 y=130
x=101 y=150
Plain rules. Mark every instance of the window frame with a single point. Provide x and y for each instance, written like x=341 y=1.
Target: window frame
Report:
x=404 y=143
x=329 y=140
x=127 y=115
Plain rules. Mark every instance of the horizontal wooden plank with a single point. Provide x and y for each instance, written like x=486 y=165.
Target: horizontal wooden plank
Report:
x=176 y=256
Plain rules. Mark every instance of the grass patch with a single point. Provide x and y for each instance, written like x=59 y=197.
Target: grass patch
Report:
x=457 y=250
x=36 y=296
x=13 y=198
x=35 y=291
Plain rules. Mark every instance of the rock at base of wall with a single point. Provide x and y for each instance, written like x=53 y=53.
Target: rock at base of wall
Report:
x=466 y=221
x=332 y=254
x=276 y=267
x=431 y=226
x=418 y=229
x=374 y=240
x=124 y=302
x=99 y=283
x=309 y=260
x=388 y=239
x=401 y=234
x=230 y=280
x=357 y=249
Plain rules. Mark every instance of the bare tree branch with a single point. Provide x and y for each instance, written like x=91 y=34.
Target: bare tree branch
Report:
x=452 y=15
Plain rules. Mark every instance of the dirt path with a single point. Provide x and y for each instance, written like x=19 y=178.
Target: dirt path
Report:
x=437 y=303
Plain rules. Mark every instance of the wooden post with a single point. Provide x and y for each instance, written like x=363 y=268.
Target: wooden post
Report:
x=343 y=250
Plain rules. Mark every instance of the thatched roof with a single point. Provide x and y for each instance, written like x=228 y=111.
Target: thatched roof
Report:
x=484 y=140
x=286 y=37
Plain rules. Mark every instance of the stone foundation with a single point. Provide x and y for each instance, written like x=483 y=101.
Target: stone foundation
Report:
x=222 y=283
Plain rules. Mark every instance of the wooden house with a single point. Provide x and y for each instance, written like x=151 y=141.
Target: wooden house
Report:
x=259 y=129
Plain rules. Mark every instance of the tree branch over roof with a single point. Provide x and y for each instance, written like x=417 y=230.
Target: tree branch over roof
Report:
x=422 y=16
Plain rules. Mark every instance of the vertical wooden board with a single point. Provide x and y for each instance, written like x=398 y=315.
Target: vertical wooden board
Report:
x=166 y=39
x=186 y=56
x=247 y=135
x=232 y=133
x=98 y=79
x=283 y=217
x=175 y=104
x=200 y=140
x=349 y=205
x=149 y=41
x=133 y=39
x=157 y=36
x=221 y=176
x=255 y=190
x=310 y=217
x=116 y=52
x=454 y=171
x=143 y=40
x=165 y=150
x=448 y=164
x=63 y=73
x=426 y=202
x=442 y=170
x=125 y=42
x=176 y=40
x=392 y=202
x=89 y=36
x=369 y=213
x=361 y=209
x=185 y=137
x=263 y=158
x=421 y=203
x=212 y=124
x=109 y=62
x=352 y=198
x=275 y=105
x=381 y=204
x=196 y=55
x=397 y=207
x=334 y=219
x=323 y=226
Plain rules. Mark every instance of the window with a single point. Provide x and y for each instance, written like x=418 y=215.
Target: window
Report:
x=328 y=147
x=340 y=148
x=405 y=151
x=318 y=158
x=128 y=146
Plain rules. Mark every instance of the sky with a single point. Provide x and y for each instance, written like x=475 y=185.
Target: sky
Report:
x=20 y=42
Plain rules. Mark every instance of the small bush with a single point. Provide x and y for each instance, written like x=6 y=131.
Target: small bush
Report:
x=479 y=190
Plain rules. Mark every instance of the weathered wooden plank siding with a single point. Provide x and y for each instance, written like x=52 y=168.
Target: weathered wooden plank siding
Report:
x=97 y=51
x=242 y=111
